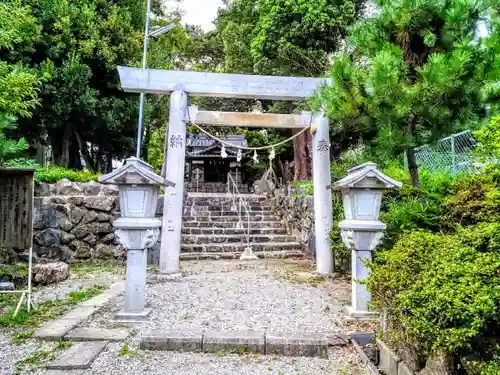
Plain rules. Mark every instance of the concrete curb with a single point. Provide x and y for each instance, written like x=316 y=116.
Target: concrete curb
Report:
x=239 y=342
x=55 y=330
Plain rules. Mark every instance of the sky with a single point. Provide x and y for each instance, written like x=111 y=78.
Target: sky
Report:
x=200 y=12
x=203 y=12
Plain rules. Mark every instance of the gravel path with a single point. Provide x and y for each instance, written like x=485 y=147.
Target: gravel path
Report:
x=10 y=353
x=342 y=361
x=234 y=296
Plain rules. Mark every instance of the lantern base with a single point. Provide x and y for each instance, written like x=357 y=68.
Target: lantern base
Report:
x=126 y=316
x=248 y=254
x=361 y=315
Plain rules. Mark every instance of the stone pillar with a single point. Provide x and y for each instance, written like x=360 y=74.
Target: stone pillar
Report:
x=137 y=235
x=172 y=209
x=322 y=197
x=361 y=297
x=135 y=297
x=362 y=238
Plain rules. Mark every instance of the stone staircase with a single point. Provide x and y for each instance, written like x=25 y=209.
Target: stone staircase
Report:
x=212 y=230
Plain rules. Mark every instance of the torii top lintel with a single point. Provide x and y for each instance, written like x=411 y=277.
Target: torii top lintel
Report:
x=157 y=81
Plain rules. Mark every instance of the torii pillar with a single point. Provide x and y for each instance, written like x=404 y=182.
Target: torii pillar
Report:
x=230 y=86
x=171 y=234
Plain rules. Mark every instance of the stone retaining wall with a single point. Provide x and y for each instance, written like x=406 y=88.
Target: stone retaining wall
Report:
x=73 y=221
x=297 y=211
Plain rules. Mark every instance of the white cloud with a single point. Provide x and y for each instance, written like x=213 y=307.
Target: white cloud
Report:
x=198 y=12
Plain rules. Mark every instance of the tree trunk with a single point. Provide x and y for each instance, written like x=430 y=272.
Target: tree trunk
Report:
x=413 y=167
x=297 y=146
x=308 y=160
x=410 y=155
x=75 y=161
x=109 y=162
x=302 y=157
x=85 y=153
x=66 y=141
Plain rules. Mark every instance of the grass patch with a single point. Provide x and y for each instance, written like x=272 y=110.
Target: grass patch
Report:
x=40 y=357
x=48 y=310
x=15 y=270
x=299 y=273
x=241 y=350
x=20 y=338
x=35 y=360
x=126 y=351
x=84 y=270
x=64 y=344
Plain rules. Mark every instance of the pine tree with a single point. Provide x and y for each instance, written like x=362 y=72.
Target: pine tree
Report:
x=410 y=73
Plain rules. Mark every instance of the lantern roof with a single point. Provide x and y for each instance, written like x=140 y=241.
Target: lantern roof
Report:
x=365 y=176
x=135 y=172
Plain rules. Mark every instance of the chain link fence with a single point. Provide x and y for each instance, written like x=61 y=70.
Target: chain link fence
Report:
x=452 y=154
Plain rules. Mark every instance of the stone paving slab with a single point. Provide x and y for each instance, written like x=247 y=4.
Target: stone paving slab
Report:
x=303 y=345
x=234 y=341
x=238 y=342
x=114 y=290
x=97 y=334
x=79 y=313
x=172 y=341
x=56 y=329
x=79 y=356
x=64 y=372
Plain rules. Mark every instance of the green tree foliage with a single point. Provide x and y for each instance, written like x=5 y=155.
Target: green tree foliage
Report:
x=277 y=37
x=9 y=149
x=410 y=74
x=296 y=37
x=83 y=111
x=18 y=83
x=75 y=46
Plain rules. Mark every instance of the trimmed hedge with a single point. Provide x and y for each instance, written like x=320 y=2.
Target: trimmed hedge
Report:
x=53 y=174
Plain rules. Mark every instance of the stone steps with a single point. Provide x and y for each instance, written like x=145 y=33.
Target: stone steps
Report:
x=231 y=224
x=227 y=218
x=239 y=247
x=197 y=214
x=226 y=207
x=220 y=196
x=211 y=230
x=218 y=231
x=234 y=238
x=236 y=255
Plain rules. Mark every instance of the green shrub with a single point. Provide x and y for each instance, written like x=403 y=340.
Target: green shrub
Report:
x=474 y=198
x=490 y=366
x=302 y=187
x=53 y=174
x=440 y=292
x=487 y=138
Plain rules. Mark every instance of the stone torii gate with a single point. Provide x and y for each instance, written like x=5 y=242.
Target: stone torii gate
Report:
x=180 y=84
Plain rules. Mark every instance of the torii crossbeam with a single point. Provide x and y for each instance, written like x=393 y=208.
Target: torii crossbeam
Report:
x=180 y=84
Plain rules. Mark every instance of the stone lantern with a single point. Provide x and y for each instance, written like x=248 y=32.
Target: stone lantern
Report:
x=137 y=229
x=361 y=230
